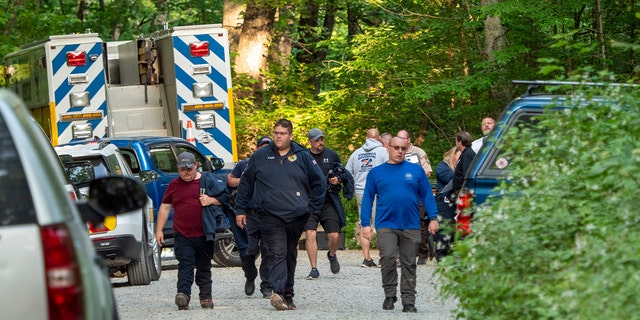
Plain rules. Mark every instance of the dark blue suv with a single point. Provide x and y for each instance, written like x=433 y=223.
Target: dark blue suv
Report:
x=160 y=155
x=491 y=166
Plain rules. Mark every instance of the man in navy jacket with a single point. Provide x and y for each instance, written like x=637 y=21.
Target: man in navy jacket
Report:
x=288 y=186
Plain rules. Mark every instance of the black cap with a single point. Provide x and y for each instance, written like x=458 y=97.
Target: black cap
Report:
x=263 y=140
x=186 y=160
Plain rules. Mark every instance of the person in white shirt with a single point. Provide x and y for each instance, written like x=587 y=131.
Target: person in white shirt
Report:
x=487 y=125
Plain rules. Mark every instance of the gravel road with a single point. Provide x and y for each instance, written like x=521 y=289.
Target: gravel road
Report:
x=354 y=293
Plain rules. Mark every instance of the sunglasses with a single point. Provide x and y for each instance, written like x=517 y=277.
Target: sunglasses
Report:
x=396 y=148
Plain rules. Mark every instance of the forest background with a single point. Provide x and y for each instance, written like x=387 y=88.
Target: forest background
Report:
x=431 y=67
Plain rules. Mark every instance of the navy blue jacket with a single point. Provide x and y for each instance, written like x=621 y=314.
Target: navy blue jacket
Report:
x=216 y=187
x=288 y=186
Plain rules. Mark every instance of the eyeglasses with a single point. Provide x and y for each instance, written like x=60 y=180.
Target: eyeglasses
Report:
x=276 y=133
x=396 y=148
x=185 y=169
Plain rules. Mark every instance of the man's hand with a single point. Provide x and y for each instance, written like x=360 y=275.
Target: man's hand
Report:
x=433 y=227
x=241 y=220
x=206 y=200
x=366 y=233
x=334 y=181
x=160 y=237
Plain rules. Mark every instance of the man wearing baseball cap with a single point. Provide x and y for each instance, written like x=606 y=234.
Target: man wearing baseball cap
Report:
x=330 y=213
x=191 y=247
x=254 y=235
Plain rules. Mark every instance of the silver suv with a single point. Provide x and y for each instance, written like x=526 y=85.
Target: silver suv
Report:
x=49 y=268
x=127 y=241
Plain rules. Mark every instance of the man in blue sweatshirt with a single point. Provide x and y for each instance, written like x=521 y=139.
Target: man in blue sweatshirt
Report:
x=288 y=185
x=399 y=186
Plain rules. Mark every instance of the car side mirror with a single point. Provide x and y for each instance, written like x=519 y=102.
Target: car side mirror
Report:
x=112 y=195
x=148 y=176
x=217 y=163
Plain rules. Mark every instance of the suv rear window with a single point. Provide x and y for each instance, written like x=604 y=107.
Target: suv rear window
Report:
x=15 y=197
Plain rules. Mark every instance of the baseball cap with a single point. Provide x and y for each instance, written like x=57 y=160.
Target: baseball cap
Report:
x=186 y=160
x=315 y=134
x=264 y=140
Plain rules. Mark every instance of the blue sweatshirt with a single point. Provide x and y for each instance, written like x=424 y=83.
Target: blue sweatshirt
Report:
x=399 y=187
x=288 y=186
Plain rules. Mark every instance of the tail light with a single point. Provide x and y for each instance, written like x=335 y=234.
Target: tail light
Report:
x=199 y=49
x=64 y=289
x=76 y=58
x=464 y=212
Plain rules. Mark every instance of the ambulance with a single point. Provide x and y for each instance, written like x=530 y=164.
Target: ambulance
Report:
x=174 y=82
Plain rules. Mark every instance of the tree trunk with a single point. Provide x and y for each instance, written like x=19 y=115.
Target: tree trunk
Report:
x=232 y=19
x=494 y=35
x=254 y=42
x=282 y=45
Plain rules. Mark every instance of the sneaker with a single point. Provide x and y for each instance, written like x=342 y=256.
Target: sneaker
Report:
x=422 y=260
x=249 y=287
x=206 y=303
x=368 y=264
x=289 y=301
x=388 y=303
x=314 y=274
x=333 y=261
x=409 y=308
x=182 y=301
x=278 y=302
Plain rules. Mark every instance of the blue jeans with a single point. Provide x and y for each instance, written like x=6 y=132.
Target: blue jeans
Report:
x=193 y=253
x=282 y=240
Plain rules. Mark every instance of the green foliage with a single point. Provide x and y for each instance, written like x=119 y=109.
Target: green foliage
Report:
x=562 y=241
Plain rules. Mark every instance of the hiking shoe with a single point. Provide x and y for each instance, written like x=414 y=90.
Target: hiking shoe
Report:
x=266 y=293
x=206 y=303
x=422 y=260
x=249 y=287
x=289 y=301
x=368 y=264
x=182 y=301
x=277 y=301
x=388 y=303
x=314 y=274
x=409 y=308
x=333 y=261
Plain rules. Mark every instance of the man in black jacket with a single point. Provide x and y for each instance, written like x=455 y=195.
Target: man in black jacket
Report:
x=288 y=186
x=463 y=143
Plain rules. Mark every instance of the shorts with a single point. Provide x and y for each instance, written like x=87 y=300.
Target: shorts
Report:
x=373 y=217
x=327 y=217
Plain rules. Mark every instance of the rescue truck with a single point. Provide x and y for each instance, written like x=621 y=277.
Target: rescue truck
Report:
x=175 y=82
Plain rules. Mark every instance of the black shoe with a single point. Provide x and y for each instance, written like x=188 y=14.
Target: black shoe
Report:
x=409 y=308
x=182 y=301
x=249 y=287
x=422 y=260
x=333 y=262
x=388 y=303
x=289 y=301
x=266 y=293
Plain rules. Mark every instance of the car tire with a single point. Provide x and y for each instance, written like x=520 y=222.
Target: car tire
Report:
x=139 y=270
x=226 y=252
x=155 y=253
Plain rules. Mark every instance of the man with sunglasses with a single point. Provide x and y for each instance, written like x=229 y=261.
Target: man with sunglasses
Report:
x=191 y=247
x=399 y=185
